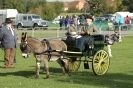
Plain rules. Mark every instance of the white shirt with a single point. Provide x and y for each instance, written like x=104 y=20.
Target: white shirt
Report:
x=9 y=26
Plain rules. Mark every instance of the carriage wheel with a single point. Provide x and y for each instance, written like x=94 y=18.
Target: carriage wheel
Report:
x=100 y=62
x=74 y=64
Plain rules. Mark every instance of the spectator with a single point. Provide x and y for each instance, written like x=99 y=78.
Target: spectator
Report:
x=128 y=22
x=110 y=25
x=61 y=22
x=8 y=40
x=82 y=21
x=66 y=22
x=121 y=22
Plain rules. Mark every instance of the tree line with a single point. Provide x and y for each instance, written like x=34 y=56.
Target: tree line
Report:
x=100 y=7
x=50 y=10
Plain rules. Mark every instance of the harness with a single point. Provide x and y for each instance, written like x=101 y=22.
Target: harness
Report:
x=49 y=49
x=47 y=52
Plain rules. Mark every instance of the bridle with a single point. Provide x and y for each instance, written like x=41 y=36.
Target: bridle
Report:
x=24 y=47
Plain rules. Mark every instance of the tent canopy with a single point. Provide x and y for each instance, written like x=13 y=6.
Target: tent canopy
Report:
x=122 y=14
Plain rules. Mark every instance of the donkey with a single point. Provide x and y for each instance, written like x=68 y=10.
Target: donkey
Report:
x=43 y=51
x=110 y=40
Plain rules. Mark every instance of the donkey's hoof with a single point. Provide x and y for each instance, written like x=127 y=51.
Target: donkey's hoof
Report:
x=37 y=77
x=63 y=73
x=47 y=77
x=69 y=74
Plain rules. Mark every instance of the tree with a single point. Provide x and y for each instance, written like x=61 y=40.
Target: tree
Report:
x=128 y=4
x=73 y=9
x=97 y=7
x=114 y=6
x=48 y=10
x=52 y=9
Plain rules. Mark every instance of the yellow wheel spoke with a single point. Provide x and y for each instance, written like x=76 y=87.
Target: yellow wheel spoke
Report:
x=74 y=65
x=100 y=62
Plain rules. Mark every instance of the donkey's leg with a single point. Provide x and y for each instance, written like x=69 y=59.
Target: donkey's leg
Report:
x=109 y=50
x=66 y=66
x=37 y=68
x=61 y=63
x=38 y=64
x=46 y=66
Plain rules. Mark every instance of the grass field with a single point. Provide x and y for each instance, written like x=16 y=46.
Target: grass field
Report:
x=119 y=75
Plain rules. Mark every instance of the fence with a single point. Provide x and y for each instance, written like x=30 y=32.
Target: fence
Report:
x=40 y=33
x=55 y=32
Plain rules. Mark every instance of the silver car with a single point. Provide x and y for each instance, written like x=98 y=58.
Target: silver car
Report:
x=30 y=20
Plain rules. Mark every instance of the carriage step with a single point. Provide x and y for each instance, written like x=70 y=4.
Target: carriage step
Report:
x=86 y=65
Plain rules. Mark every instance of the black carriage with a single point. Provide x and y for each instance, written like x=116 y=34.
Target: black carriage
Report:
x=93 y=53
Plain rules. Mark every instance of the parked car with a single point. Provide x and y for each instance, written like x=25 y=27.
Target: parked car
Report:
x=56 y=21
x=108 y=17
x=30 y=20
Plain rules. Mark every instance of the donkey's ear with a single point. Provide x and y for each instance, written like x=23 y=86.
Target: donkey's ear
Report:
x=23 y=34
x=26 y=33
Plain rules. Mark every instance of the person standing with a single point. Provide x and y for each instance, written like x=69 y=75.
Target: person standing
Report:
x=8 y=40
x=128 y=22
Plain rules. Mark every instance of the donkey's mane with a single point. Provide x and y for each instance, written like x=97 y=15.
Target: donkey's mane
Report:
x=34 y=39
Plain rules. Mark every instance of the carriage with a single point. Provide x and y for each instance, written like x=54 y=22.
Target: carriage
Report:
x=94 y=54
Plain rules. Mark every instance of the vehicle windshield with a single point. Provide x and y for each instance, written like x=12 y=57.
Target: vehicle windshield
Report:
x=36 y=17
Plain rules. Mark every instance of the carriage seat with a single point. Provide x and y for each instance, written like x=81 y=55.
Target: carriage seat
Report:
x=98 y=39
x=89 y=42
x=73 y=43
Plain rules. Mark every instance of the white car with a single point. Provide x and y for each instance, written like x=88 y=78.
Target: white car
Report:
x=56 y=21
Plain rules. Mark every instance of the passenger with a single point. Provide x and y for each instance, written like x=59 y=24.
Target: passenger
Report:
x=71 y=33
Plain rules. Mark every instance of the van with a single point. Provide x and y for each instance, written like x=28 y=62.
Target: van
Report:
x=30 y=20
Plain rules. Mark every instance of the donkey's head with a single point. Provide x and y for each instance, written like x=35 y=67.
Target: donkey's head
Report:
x=25 y=49
x=111 y=39
x=115 y=37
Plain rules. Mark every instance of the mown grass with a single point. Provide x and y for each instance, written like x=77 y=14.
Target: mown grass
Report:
x=119 y=75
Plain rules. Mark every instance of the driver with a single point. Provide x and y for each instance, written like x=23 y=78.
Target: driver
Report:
x=85 y=33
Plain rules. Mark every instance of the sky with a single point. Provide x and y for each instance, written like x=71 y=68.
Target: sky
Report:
x=60 y=0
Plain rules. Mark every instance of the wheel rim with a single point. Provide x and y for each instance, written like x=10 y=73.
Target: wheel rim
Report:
x=100 y=63
x=74 y=64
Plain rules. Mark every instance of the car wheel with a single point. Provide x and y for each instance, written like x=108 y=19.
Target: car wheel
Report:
x=19 y=26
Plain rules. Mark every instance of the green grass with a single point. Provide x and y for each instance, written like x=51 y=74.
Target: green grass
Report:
x=119 y=75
